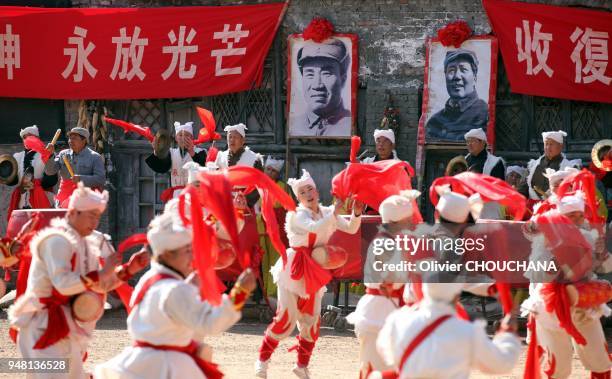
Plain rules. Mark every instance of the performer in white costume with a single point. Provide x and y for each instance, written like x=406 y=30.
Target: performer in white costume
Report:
x=168 y=318
x=384 y=293
x=429 y=341
x=66 y=271
x=301 y=281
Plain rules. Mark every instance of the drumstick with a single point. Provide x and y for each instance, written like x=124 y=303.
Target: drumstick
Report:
x=58 y=132
x=68 y=166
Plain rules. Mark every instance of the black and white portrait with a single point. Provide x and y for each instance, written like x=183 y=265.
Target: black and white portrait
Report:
x=321 y=87
x=459 y=94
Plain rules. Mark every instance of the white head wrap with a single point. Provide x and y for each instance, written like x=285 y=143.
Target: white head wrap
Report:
x=85 y=199
x=456 y=207
x=304 y=180
x=275 y=164
x=572 y=203
x=555 y=177
x=387 y=133
x=29 y=130
x=445 y=292
x=240 y=128
x=166 y=232
x=476 y=133
x=522 y=171
x=187 y=127
x=556 y=136
x=397 y=207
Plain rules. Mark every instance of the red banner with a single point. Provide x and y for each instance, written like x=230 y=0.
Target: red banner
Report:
x=554 y=51
x=127 y=53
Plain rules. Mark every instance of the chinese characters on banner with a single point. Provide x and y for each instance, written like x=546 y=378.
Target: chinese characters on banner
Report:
x=554 y=51
x=126 y=53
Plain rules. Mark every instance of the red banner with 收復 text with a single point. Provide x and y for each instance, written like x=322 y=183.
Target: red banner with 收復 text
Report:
x=123 y=53
x=554 y=51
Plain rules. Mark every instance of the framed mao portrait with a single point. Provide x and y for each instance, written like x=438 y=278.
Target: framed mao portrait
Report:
x=459 y=89
x=322 y=87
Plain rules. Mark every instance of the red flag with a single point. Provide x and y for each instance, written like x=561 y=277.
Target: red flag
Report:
x=129 y=127
x=489 y=188
x=34 y=143
x=207 y=133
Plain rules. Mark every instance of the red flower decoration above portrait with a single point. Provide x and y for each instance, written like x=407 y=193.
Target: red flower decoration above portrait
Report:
x=455 y=33
x=318 y=30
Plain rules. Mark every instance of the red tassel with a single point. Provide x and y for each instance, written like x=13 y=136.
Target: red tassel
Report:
x=355 y=145
x=207 y=133
x=34 y=143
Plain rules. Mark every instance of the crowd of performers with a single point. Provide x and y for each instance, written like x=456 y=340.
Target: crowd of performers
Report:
x=407 y=325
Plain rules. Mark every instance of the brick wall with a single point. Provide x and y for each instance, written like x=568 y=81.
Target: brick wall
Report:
x=391 y=45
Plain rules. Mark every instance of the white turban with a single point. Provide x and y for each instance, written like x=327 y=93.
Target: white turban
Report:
x=85 y=199
x=240 y=128
x=476 y=133
x=275 y=164
x=571 y=203
x=166 y=233
x=522 y=171
x=556 y=136
x=555 y=177
x=397 y=207
x=187 y=127
x=306 y=179
x=442 y=291
x=456 y=207
x=29 y=130
x=387 y=133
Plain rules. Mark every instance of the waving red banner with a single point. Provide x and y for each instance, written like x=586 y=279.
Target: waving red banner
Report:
x=552 y=51
x=132 y=53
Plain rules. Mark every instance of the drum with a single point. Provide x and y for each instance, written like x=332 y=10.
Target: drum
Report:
x=88 y=306
x=226 y=256
x=7 y=256
x=21 y=216
x=330 y=257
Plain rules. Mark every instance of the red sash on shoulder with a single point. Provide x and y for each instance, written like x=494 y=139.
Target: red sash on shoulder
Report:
x=209 y=369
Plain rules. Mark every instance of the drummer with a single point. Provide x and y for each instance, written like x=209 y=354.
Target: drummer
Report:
x=301 y=280
x=66 y=263
x=32 y=185
x=77 y=164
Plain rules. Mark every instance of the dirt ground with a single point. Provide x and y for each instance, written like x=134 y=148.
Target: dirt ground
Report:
x=236 y=350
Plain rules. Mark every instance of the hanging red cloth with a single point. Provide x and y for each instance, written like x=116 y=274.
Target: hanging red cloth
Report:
x=557 y=300
x=57 y=325
x=304 y=267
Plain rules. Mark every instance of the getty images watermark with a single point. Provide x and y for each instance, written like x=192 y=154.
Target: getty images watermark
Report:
x=501 y=253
